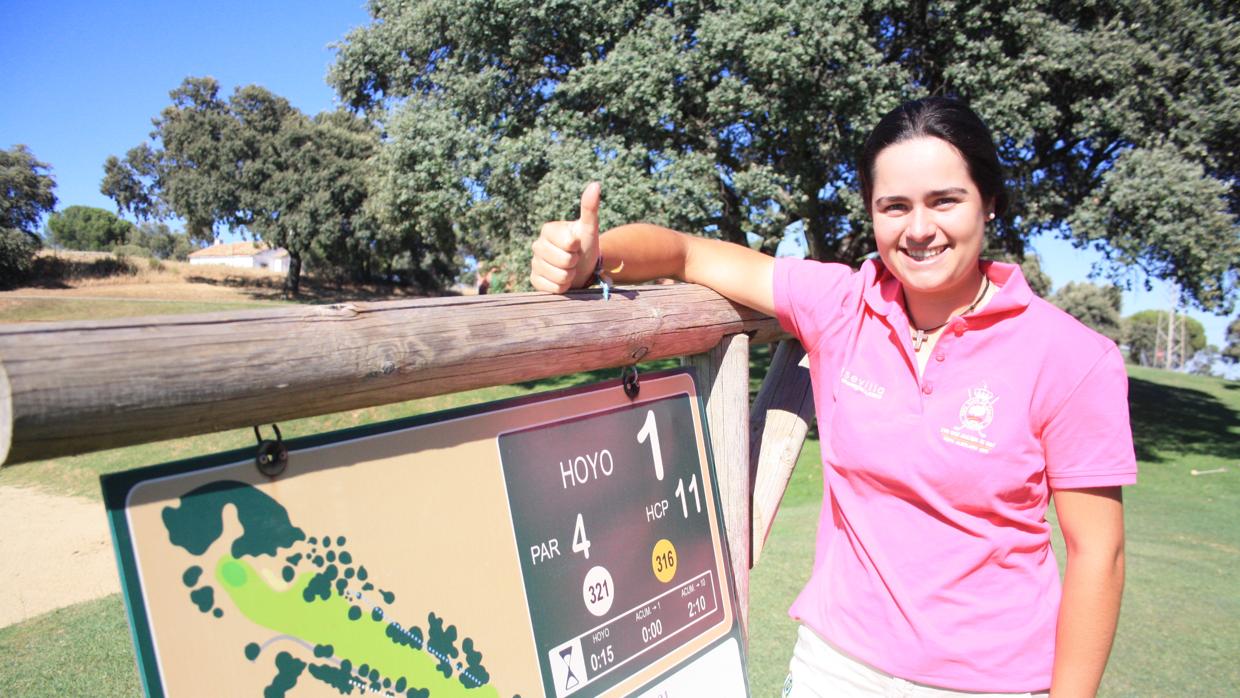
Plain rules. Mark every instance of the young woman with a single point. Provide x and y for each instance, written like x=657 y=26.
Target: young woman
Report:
x=953 y=405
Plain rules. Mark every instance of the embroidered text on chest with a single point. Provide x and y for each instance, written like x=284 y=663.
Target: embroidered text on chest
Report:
x=977 y=412
x=864 y=386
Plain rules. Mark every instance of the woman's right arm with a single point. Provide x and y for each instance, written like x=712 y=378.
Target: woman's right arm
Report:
x=566 y=252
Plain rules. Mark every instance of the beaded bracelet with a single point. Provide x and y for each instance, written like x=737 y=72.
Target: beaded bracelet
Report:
x=600 y=277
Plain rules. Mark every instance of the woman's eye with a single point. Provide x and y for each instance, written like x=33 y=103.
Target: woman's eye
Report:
x=945 y=202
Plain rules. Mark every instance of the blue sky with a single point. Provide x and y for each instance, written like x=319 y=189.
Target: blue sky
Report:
x=81 y=80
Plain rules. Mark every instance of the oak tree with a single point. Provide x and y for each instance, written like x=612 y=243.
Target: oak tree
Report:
x=252 y=162
x=88 y=228
x=742 y=118
x=26 y=194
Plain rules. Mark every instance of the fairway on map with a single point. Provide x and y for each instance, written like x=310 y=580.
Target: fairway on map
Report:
x=471 y=554
x=327 y=603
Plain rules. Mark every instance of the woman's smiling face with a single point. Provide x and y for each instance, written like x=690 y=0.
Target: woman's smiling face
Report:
x=929 y=217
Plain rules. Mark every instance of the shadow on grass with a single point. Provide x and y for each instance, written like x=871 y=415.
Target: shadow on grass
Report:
x=1168 y=420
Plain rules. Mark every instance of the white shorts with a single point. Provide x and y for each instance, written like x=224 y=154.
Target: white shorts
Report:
x=818 y=670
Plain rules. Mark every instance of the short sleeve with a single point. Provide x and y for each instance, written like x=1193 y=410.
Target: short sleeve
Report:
x=809 y=296
x=1088 y=442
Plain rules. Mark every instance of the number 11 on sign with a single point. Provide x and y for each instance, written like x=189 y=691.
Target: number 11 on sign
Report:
x=684 y=502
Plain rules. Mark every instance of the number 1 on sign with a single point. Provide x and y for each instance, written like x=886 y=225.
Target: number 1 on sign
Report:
x=650 y=431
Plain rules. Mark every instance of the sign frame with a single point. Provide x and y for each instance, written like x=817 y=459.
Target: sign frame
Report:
x=117 y=488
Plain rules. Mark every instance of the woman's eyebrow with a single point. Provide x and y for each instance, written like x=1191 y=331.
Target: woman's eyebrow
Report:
x=957 y=191
x=889 y=199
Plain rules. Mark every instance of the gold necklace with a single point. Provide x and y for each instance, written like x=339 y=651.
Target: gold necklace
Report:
x=920 y=336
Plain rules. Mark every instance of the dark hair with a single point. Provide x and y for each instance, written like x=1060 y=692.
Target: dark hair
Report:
x=949 y=120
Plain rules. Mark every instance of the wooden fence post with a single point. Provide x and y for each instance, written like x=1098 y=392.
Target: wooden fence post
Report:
x=781 y=416
x=723 y=378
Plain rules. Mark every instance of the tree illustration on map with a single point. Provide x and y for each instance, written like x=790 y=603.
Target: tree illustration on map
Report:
x=329 y=606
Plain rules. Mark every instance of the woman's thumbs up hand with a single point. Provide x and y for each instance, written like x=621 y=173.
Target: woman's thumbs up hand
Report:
x=566 y=252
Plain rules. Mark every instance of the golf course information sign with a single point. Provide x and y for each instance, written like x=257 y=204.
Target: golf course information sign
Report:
x=564 y=544
x=617 y=554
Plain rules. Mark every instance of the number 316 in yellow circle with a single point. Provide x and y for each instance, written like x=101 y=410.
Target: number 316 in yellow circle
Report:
x=663 y=560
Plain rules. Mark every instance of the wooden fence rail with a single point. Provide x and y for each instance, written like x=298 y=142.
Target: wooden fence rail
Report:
x=75 y=387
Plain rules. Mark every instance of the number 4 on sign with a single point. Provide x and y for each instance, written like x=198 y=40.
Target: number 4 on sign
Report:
x=581 y=544
x=650 y=430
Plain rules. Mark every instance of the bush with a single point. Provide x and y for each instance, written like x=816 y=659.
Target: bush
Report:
x=88 y=228
x=51 y=269
x=131 y=251
x=181 y=248
x=17 y=250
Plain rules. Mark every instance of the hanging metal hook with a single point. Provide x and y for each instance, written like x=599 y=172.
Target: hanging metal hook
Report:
x=272 y=456
x=628 y=378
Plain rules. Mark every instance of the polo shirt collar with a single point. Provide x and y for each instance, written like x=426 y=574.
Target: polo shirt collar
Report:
x=882 y=292
x=1014 y=292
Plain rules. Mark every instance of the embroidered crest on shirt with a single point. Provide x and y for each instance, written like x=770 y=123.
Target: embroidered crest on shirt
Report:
x=977 y=412
x=864 y=386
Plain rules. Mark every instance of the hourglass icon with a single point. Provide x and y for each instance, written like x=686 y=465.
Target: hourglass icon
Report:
x=571 y=680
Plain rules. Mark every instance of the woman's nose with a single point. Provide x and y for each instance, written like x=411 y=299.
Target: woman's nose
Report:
x=921 y=226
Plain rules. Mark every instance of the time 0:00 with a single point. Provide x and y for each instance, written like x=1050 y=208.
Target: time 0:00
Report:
x=652 y=631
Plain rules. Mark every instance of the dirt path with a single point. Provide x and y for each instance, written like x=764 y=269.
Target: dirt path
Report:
x=55 y=551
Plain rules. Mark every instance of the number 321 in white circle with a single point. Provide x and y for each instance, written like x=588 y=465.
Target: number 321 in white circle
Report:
x=598 y=590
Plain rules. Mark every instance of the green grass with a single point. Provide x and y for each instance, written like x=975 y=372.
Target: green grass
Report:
x=1179 y=629
x=80 y=650
x=1178 y=632
x=782 y=570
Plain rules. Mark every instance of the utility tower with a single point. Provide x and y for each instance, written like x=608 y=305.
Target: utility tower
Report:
x=1171 y=342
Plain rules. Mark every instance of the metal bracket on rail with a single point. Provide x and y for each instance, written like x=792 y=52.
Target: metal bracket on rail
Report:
x=628 y=378
x=272 y=456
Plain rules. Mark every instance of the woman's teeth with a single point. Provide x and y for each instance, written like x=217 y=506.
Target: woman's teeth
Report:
x=924 y=254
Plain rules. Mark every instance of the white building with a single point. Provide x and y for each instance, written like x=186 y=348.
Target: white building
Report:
x=245 y=255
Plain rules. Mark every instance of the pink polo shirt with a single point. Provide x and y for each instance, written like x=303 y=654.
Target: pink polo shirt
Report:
x=933 y=558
